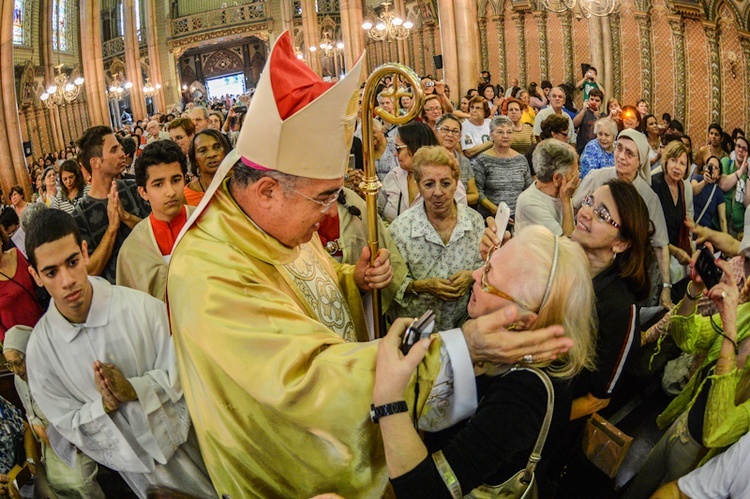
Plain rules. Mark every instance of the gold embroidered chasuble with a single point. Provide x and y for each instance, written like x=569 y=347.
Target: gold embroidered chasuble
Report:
x=279 y=401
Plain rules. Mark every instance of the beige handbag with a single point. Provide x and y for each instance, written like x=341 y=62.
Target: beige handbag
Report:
x=523 y=485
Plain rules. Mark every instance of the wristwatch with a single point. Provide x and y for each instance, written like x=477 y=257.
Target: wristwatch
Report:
x=381 y=411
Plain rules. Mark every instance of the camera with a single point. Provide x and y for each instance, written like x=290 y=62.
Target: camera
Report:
x=420 y=328
x=707 y=268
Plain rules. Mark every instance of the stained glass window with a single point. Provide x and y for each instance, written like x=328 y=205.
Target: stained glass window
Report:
x=60 y=25
x=18 y=18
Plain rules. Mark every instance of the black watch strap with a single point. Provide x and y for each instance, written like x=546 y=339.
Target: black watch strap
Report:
x=384 y=410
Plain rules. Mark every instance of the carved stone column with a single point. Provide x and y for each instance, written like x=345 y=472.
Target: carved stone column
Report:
x=47 y=60
x=712 y=35
x=431 y=47
x=12 y=161
x=500 y=28
x=410 y=61
x=614 y=24
x=745 y=42
x=680 y=84
x=541 y=22
x=644 y=28
x=467 y=32
x=518 y=20
x=153 y=38
x=346 y=27
x=483 y=43
x=566 y=19
x=420 y=42
x=607 y=57
x=133 y=62
x=41 y=137
x=90 y=82
x=310 y=29
x=448 y=43
x=400 y=10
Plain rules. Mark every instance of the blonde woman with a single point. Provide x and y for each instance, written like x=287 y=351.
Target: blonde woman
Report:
x=535 y=278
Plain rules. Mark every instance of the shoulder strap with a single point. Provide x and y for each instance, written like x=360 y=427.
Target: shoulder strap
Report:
x=536 y=454
x=708 y=203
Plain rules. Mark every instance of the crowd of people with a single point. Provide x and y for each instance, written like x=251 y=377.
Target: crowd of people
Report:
x=185 y=302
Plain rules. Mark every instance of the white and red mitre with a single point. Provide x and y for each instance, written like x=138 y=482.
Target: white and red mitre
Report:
x=297 y=123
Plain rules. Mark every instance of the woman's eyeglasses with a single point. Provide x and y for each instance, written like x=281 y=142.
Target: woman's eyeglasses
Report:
x=600 y=211
x=489 y=288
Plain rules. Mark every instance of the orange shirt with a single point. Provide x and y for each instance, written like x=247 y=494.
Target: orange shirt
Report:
x=192 y=198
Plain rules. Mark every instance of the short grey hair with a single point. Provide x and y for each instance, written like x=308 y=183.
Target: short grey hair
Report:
x=377 y=124
x=382 y=96
x=201 y=108
x=552 y=156
x=31 y=211
x=500 y=121
x=607 y=123
x=244 y=176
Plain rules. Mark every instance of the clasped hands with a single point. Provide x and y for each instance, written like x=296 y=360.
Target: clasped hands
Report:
x=114 y=388
x=450 y=289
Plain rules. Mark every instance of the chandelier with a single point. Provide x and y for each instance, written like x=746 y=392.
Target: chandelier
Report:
x=581 y=8
x=62 y=91
x=388 y=25
x=118 y=88
x=326 y=47
x=150 y=90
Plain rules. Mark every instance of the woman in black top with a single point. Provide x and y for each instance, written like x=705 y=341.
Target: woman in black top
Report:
x=676 y=197
x=536 y=276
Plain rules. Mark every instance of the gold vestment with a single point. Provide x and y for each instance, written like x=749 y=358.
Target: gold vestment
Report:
x=280 y=403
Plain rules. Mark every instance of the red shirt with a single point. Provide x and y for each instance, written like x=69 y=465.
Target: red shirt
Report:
x=18 y=304
x=166 y=232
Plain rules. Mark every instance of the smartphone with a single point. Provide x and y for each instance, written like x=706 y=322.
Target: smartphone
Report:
x=420 y=328
x=707 y=268
x=502 y=217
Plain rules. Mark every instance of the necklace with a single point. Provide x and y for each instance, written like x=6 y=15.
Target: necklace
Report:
x=200 y=182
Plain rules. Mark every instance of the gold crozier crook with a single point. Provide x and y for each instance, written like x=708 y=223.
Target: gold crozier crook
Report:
x=371 y=185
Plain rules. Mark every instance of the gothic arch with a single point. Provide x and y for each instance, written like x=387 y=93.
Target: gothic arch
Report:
x=714 y=6
x=483 y=8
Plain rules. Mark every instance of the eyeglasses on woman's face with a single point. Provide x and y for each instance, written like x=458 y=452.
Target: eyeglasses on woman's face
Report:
x=601 y=212
x=489 y=288
x=449 y=131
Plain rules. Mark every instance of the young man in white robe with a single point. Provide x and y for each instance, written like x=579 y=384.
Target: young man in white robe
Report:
x=160 y=173
x=101 y=366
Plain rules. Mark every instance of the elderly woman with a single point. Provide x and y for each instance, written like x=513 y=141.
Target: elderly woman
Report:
x=538 y=277
x=547 y=201
x=78 y=481
x=432 y=110
x=600 y=152
x=72 y=186
x=400 y=191
x=384 y=150
x=207 y=151
x=475 y=132
x=181 y=130
x=448 y=135
x=632 y=165
x=676 y=197
x=502 y=174
x=711 y=411
x=439 y=241
x=49 y=188
x=16 y=199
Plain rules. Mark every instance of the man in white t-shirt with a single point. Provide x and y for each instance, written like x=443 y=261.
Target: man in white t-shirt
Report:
x=556 y=102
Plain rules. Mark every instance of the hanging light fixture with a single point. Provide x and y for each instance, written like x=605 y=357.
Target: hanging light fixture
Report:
x=388 y=25
x=150 y=90
x=118 y=88
x=327 y=47
x=62 y=91
x=581 y=8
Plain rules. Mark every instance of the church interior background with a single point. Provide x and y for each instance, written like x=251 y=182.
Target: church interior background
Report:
x=688 y=58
